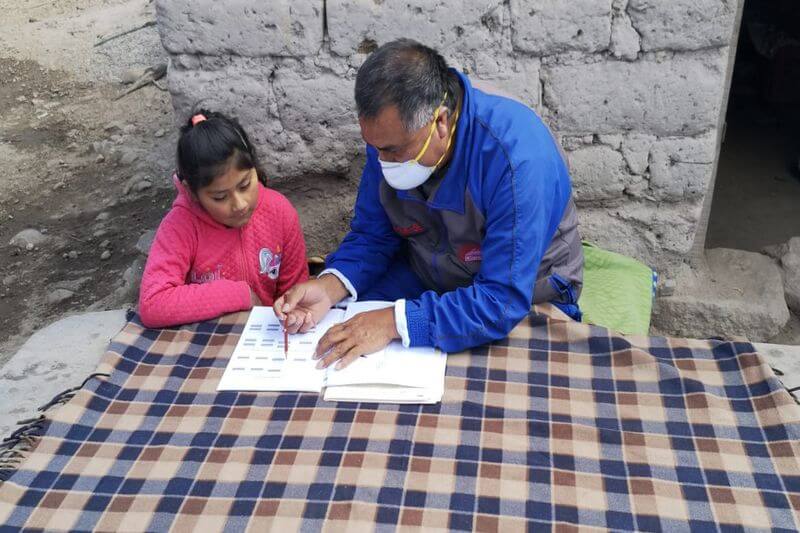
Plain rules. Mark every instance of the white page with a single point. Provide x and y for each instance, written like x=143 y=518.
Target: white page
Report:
x=394 y=365
x=258 y=363
x=382 y=394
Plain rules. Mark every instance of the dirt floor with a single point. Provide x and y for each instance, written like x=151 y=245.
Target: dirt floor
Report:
x=89 y=171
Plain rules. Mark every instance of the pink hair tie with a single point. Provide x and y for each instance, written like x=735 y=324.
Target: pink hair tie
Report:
x=198 y=118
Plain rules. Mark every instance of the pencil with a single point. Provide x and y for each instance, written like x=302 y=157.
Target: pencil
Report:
x=285 y=343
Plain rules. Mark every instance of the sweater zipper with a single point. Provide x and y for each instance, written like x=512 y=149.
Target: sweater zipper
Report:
x=242 y=258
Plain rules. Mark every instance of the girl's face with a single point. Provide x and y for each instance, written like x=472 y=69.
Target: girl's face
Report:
x=231 y=198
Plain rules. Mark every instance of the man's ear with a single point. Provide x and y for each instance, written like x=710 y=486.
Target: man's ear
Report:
x=443 y=123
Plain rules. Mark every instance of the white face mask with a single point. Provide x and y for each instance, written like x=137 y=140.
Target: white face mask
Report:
x=410 y=174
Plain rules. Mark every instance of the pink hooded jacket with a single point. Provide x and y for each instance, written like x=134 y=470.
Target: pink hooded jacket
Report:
x=199 y=269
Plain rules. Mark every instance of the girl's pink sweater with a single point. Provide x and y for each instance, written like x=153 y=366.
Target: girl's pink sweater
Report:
x=199 y=269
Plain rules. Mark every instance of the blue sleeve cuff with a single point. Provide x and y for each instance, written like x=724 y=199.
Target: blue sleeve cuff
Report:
x=418 y=324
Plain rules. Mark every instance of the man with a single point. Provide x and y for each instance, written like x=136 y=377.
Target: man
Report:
x=464 y=216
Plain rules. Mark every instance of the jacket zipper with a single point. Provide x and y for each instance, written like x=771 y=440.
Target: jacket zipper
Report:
x=242 y=258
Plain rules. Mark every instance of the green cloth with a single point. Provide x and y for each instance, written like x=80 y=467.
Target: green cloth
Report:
x=617 y=291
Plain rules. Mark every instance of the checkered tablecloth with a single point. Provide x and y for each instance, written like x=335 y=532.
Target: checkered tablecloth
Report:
x=560 y=425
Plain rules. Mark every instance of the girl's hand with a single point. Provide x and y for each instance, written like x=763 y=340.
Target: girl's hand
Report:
x=305 y=304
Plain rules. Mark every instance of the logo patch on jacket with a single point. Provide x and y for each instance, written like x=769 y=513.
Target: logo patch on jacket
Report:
x=470 y=253
x=409 y=231
x=207 y=276
x=269 y=262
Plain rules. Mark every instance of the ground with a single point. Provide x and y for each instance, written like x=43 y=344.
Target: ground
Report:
x=68 y=152
x=89 y=171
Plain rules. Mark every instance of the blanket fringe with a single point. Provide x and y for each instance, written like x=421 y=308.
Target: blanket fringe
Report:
x=13 y=449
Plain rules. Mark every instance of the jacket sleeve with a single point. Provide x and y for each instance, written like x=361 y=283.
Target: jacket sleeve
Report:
x=165 y=298
x=294 y=266
x=366 y=251
x=522 y=214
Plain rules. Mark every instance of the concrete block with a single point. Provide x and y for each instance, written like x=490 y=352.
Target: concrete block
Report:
x=55 y=358
x=598 y=173
x=635 y=149
x=674 y=97
x=517 y=78
x=660 y=235
x=301 y=119
x=319 y=112
x=545 y=27
x=682 y=167
x=738 y=294
x=625 y=40
x=240 y=27
x=683 y=24
x=358 y=26
x=791 y=274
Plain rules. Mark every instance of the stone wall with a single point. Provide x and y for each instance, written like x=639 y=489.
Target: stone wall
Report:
x=633 y=89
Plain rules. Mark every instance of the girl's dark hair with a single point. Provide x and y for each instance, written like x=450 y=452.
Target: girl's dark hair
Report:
x=209 y=148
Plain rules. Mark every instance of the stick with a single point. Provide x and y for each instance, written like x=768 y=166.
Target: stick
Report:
x=126 y=32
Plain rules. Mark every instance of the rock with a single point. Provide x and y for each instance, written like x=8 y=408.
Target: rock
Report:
x=105 y=215
x=129 y=129
x=128 y=157
x=791 y=274
x=132 y=279
x=72 y=254
x=105 y=244
x=28 y=237
x=131 y=75
x=775 y=251
x=666 y=287
x=59 y=295
x=145 y=242
x=136 y=184
x=72 y=284
x=159 y=133
x=9 y=280
x=99 y=159
x=142 y=186
x=99 y=233
x=53 y=359
x=112 y=127
x=737 y=294
x=105 y=256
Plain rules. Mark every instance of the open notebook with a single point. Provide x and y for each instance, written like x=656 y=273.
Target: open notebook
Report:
x=393 y=375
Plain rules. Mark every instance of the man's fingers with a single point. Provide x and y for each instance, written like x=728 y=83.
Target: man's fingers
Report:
x=333 y=337
x=336 y=352
x=352 y=354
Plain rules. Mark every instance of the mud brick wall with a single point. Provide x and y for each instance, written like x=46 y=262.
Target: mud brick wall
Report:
x=633 y=90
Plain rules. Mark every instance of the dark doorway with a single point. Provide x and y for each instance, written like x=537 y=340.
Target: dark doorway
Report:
x=757 y=193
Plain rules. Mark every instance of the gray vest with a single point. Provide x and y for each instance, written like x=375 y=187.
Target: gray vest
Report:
x=443 y=247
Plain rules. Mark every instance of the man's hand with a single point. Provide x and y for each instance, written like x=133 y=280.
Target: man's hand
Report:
x=304 y=305
x=363 y=334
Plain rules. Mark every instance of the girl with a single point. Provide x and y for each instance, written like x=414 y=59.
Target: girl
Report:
x=228 y=243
